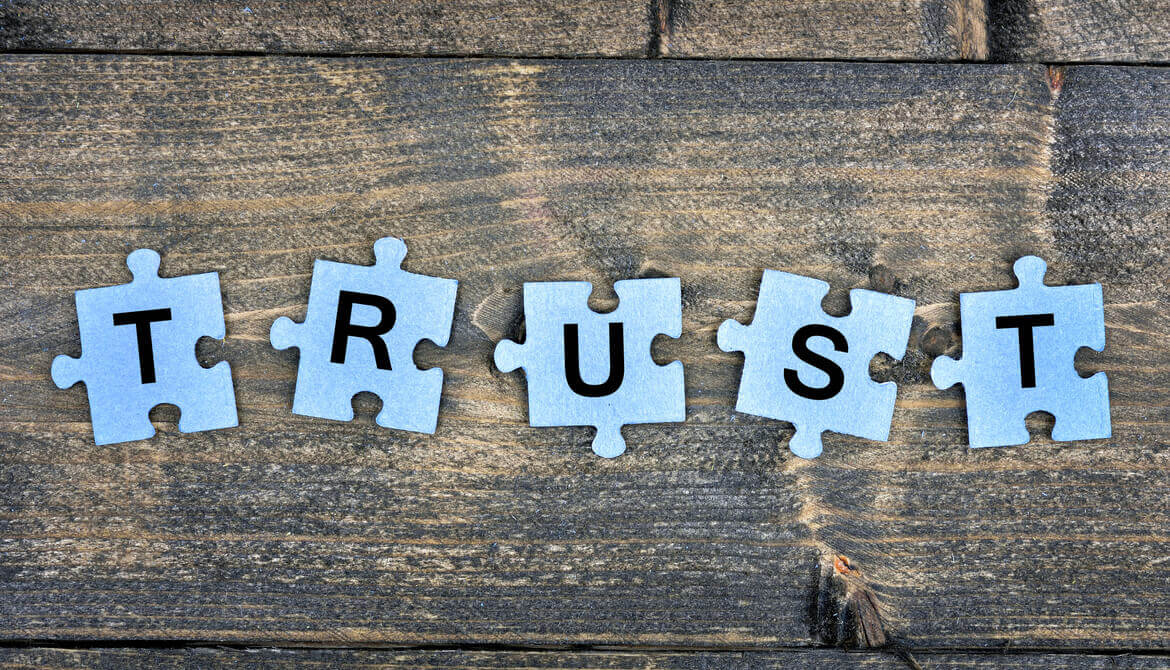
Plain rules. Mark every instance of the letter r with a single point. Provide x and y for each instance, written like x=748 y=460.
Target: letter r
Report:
x=344 y=329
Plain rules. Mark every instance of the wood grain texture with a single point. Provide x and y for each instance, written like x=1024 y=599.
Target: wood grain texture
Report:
x=1066 y=31
x=407 y=27
x=167 y=659
x=1109 y=205
x=812 y=29
x=923 y=180
x=809 y=29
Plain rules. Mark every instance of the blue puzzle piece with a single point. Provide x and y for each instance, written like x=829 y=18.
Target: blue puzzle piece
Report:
x=1018 y=350
x=811 y=369
x=138 y=351
x=360 y=332
x=590 y=369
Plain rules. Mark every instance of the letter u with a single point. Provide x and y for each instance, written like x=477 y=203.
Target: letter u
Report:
x=617 y=363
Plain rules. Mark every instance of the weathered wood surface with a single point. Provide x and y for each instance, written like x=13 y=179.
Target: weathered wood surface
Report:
x=1058 y=31
x=810 y=29
x=1131 y=31
x=1109 y=205
x=411 y=27
x=165 y=659
x=924 y=180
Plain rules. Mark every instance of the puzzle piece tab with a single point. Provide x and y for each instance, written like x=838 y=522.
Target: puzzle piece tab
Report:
x=1018 y=351
x=359 y=334
x=138 y=351
x=590 y=369
x=811 y=369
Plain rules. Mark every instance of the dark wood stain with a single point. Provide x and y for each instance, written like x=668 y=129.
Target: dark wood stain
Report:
x=1079 y=31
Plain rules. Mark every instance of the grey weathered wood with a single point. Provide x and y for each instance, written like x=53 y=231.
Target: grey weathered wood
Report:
x=1109 y=207
x=1064 y=31
x=166 y=659
x=857 y=29
x=923 y=180
x=806 y=29
x=411 y=27
x=935 y=30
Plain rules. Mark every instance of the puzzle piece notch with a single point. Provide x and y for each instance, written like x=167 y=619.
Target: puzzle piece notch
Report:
x=648 y=392
x=379 y=358
x=389 y=252
x=67 y=371
x=144 y=264
x=285 y=333
x=733 y=336
x=787 y=337
x=508 y=355
x=994 y=370
x=174 y=313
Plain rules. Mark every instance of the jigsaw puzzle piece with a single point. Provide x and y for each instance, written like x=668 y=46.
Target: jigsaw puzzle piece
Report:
x=590 y=369
x=811 y=369
x=1018 y=357
x=362 y=326
x=138 y=351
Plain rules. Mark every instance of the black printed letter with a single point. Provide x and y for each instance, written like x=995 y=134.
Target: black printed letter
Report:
x=617 y=363
x=1025 y=323
x=801 y=350
x=141 y=322
x=343 y=330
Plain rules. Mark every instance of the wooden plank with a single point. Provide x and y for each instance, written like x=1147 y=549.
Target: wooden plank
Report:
x=1066 y=31
x=810 y=29
x=924 y=180
x=826 y=29
x=405 y=27
x=48 y=658
x=1110 y=202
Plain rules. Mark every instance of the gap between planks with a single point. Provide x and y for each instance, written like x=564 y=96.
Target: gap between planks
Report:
x=392 y=55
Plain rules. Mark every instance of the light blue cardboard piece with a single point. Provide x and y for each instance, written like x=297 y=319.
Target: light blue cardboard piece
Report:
x=556 y=313
x=788 y=313
x=1000 y=385
x=400 y=310
x=149 y=358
